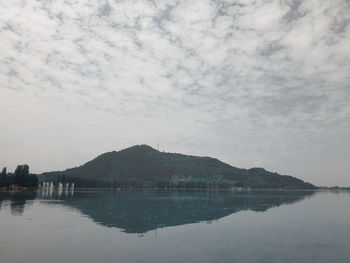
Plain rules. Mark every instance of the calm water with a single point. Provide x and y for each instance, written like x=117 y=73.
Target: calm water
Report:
x=174 y=226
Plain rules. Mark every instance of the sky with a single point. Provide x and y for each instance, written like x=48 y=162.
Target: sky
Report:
x=252 y=83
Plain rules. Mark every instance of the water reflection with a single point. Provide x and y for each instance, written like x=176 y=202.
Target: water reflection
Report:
x=142 y=211
x=17 y=201
x=59 y=193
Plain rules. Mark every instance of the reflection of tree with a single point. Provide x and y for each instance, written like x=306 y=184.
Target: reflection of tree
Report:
x=18 y=200
x=139 y=212
x=17 y=206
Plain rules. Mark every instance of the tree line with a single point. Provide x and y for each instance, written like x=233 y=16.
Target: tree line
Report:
x=21 y=177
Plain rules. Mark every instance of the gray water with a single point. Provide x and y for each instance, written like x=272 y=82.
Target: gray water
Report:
x=174 y=226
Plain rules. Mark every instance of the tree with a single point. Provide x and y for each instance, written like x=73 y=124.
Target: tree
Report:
x=22 y=176
x=18 y=175
x=3 y=177
x=25 y=170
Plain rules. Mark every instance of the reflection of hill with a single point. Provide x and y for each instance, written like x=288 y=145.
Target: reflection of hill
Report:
x=139 y=212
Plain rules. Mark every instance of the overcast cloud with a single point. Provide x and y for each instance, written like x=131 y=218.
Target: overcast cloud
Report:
x=253 y=83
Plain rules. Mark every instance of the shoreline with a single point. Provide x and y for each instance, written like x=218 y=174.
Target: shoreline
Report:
x=331 y=189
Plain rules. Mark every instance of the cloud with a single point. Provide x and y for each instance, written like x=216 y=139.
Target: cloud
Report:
x=254 y=83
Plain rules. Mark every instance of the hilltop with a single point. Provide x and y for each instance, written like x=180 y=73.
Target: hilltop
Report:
x=143 y=166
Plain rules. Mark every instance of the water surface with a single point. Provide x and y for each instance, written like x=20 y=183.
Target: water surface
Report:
x=174 y=226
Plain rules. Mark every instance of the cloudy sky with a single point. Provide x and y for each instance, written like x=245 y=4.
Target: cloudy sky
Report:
x=253 y=83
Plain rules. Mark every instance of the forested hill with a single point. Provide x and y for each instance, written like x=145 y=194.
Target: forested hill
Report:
x=143 y=166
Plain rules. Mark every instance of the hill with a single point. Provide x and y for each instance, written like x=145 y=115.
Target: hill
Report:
x=143 y=166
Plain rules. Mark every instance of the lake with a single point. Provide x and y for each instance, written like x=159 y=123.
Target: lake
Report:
x=174 y=226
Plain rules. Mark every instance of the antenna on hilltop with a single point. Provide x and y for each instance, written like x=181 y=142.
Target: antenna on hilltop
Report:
x=158 y=144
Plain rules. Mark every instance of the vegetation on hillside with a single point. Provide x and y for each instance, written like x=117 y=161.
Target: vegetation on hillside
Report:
x=143 y=166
